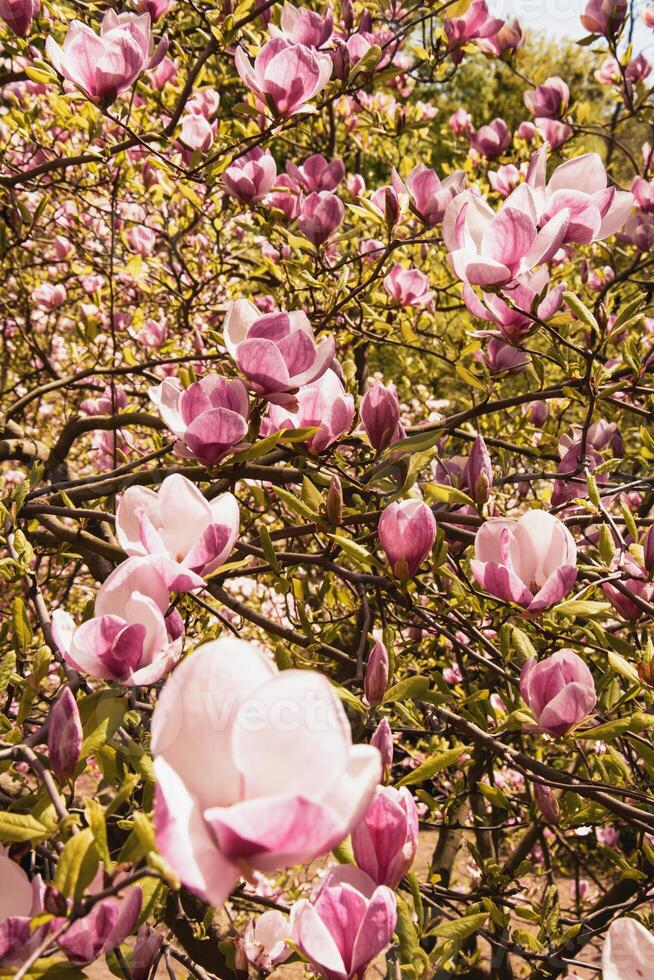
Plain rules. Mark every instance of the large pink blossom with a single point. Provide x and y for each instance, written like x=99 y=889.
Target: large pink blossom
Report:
x=285 y=77
x=105 y=65
x=531 y=562
x=255 y=769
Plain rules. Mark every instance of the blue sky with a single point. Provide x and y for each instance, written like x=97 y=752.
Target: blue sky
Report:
x=560 y=18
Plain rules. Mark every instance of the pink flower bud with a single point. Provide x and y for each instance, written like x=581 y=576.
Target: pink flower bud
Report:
x=320 y=215
x=548 y=99
x=385 y=840
x=380 y=415
x=479 y=471
x=648 y=550
x=537 y=413
x=547 y=803
x=19 y=14
x=491 y=140
x=560 y=691
x=377 y=672
x=334 y=502
x=146 y=947
x=604 y=16
x=65 y=736
x=460 y=122
x=382 y=739
x=407 y=531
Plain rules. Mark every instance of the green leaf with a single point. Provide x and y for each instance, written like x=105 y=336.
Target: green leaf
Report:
x=410 y=951
x=18 y=828
x=77 y=864
x=417 y=443
x=7 y=668
x=434 y=765
x=494 y=796
x=21 y=629
x=97 y=823
x=410 y=688
x=624 y=668
x=580 y=310
x=461 y=929
x=295 y=504
x=582 y=607
x=51 y=968
x=343 y=852
x=447 y=495
x=101 y=715
x=349 y=698
x=355 y=551
x=607 y=731
x=268 y=549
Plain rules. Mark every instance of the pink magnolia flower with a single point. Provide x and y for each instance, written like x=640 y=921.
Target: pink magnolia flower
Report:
x=19 y=14
x=209 y=417
x=264 y=940
x=638 y=69
x=277 y=352
x=204 y=102
x=560 y=691
x=491 y=140
x=408 y=287
x=346 y=926
x=196 y=132
x=380 y=416
x=504 y=179
x=385 y=840
x=317 y=173
x=531 y=562
x=112 y=400
x=643 y=191
x=20 y=901
x=488 y=248
x=628 y=951
x=131 y=638
x=49 y=297
x=285 y=77
x=166 y=71
x=604 y=16
x=105 y=65
x=303 y=26
x=509 y=309
x=571 y=481
x=324 y=404
x=635 y=578
x=407 y=531
x=65 y=735
x=321 y=213
x=179 y=523
x=141 y=239
x=509 y=39
x=156 y=8
x=429 y=196
x=460 y=122
x=609 y=71
x=526 y=131
x=153 y=334
x=475 y=23
x=638 y=231
x=255 y=769
x=106 y=926
x=286 y=197
x=251 y=176
x=554 y=132
x=548 y=99
x=579 y=188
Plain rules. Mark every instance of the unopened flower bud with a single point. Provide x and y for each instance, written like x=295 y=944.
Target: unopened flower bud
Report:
x=547 y=803
x=382 y=739
x=648 y=550
x=377 y=673
x=65 y=736
x=340 y=59
x=479 y=471
x=334 y=503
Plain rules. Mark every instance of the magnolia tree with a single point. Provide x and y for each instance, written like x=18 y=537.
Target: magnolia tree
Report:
x=328 y=561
